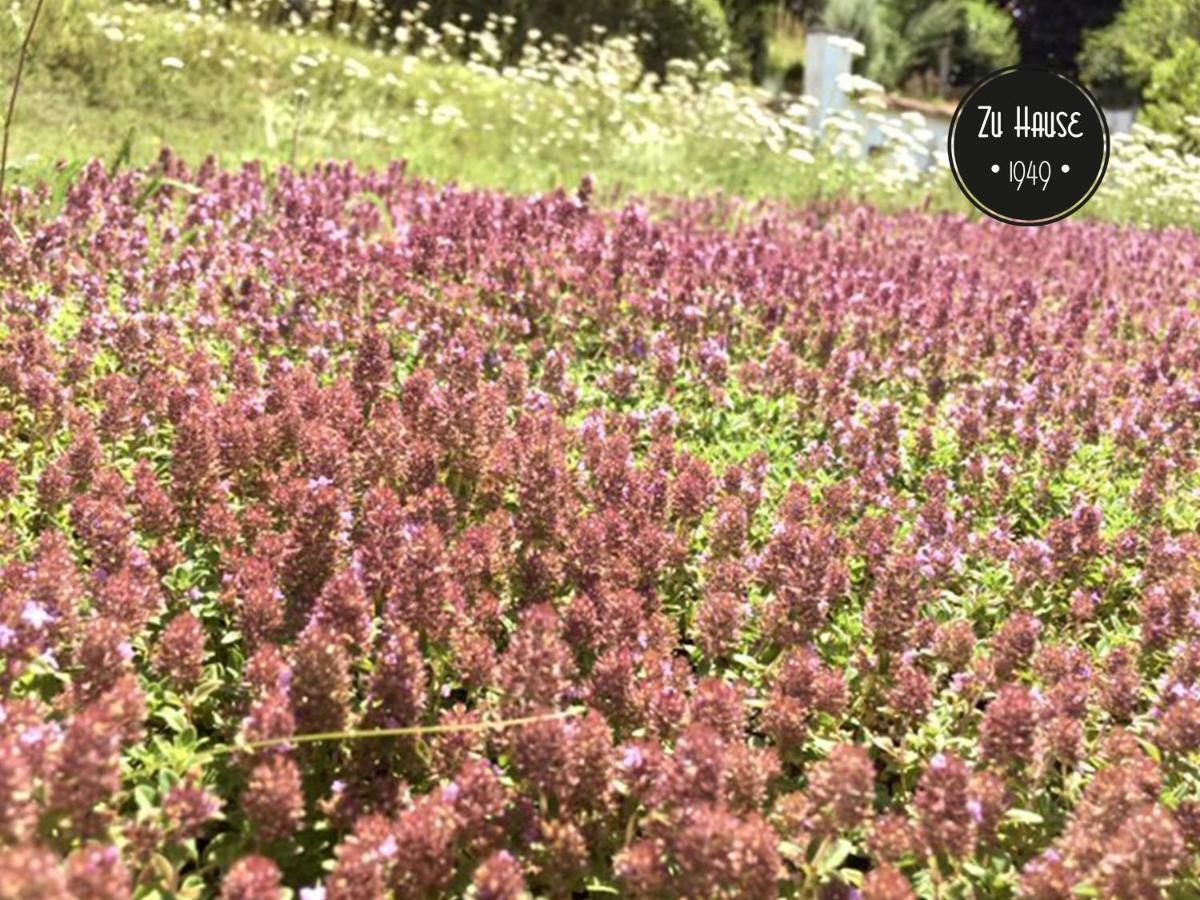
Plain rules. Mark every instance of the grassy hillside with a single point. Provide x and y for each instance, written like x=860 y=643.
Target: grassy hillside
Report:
x=123 y=80
x=120 y=81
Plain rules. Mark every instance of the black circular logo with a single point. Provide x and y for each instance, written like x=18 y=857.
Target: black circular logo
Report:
x=1028 y=145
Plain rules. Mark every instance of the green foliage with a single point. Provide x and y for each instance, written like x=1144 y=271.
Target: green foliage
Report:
x=749 y=40
x=670 y=29
x=100 y=86
x=1173 y=96
x=1151 y=49
x=785 y=56
x=681 y=29
x=1102 y=66
x=1145 y=33
x=906 y=36
x=917 y=33
x=864 y=20
x=990 y=38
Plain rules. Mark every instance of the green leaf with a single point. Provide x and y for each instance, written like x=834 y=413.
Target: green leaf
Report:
x=145 y=797
x=974 y=869
x=790 y=850
x=833 y=856
x=1024 y=817
x=174 y=718
x=62 y=183
x=123 y=154
x=182 y=186
x=162 y=867
x=852 y=877
x=223 y=849
x=206 y=688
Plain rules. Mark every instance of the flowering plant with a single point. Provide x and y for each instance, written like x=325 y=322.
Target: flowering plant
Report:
x=363 y=537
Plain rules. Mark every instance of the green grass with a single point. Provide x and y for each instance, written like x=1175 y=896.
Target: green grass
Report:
x=120 y=81
x=97 y=86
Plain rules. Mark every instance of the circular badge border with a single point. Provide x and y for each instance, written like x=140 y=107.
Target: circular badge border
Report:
x=1000 y=73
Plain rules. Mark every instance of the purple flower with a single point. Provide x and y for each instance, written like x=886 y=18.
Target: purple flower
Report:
x=35 y=615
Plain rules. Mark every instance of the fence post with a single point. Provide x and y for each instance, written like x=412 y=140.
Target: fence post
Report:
x=826 y=57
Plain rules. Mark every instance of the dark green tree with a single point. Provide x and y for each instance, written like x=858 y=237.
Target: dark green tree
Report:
x=1051 y=32
x=1151 y=51
x=748 y=25
x=959 y=40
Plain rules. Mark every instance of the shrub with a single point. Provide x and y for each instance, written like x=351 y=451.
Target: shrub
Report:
x=1173 y=95
x=670 y=29
x=903 y=37
x=1149 y=50
x=682 y=29
x=989 y=40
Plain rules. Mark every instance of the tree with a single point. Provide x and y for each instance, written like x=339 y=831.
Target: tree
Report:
x=904 y=37
x=1051 y=31
x=748 y=26
x=1152 y=51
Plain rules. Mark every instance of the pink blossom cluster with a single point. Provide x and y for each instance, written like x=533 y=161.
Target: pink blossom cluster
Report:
x=819 y=552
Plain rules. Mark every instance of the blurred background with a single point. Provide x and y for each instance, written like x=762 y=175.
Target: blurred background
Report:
x=795 y=99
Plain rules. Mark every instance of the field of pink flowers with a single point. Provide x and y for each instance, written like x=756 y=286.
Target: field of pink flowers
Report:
x=714 y=550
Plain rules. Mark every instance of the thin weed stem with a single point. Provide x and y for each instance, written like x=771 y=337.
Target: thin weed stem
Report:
x=407 y=730
x=12 y=97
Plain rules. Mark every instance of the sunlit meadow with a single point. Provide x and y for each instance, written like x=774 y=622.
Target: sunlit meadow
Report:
x=122 y=80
